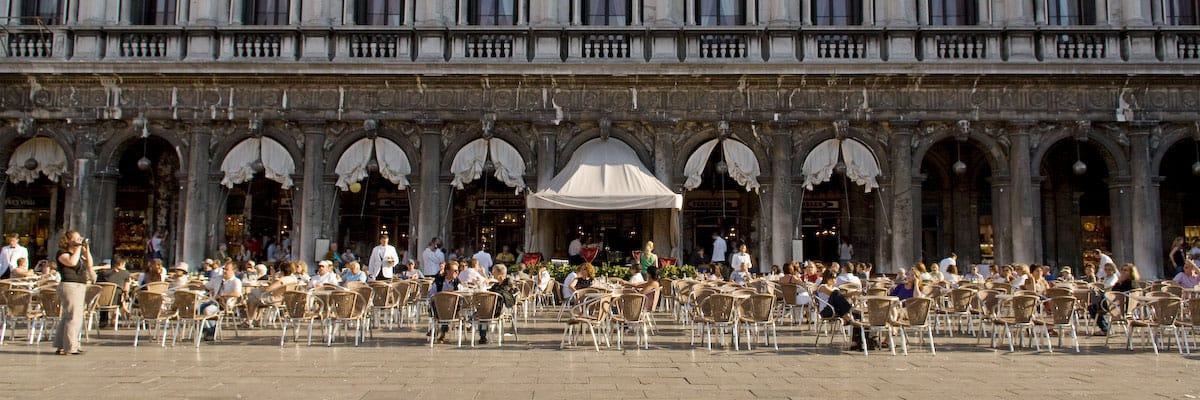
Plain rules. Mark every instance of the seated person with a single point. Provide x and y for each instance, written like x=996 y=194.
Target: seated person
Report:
x=974 y=276
x=833 y=304
x=847 y=277
x=324 y=275
x=508 y=297
x=741 y=275
x=1190 y=277
x=224 y=290
x=116 y=275
x=21 y=270
x=271 y=294
x=411 y=272
x=637 y=274
x=353 y=273
x=154 y=273
x=46 y=273
x=178 y=277
x=909 y=289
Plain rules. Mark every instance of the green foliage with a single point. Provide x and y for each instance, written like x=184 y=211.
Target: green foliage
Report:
x=559 y=273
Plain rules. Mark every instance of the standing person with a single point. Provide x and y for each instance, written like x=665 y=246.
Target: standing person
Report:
x=154 y=246
x=484 y=259
x=432 y=258
x=332 y=255
x=1178 y=255
x=74 y=261
x=649 y=260
x=845 y=251
x=740 y=260
x=1105 y=259
x=10 y=254
x=574 y=251
x=945 y=264
x=383 y=260
x=719 y=249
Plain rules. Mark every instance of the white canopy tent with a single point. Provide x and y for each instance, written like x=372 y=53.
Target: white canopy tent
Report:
x=393 y=163
x=50 y=157
x=276 y=161
x=469 y=163
x=741 y=163
x=606 y=175
x=862 y=168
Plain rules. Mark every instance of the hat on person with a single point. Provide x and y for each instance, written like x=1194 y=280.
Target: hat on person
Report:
x=182 y=266
x=326 y=263
x=261 y=269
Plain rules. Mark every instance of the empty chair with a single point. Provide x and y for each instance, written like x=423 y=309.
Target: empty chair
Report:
x=1023 y=308
x=19 y=307
x=348 y=308
x=1062 y=318
x=150 y=309
x=189 y=317
x=756 y=312
x=630 y=313
x=916 y=317
x=300 y=307
x=717 y=311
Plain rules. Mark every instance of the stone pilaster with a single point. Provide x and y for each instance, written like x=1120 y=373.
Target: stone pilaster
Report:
x=903 y=234
x=547 y=151
x=106 y=197
x=1147 y=248
x=918 y=183
x=429 y=218
x=1023 y=231
x=311 y=210
x=1120 y=203
x=780 y=198
x=78 y=207
x=195 y=235
x=1001 y=220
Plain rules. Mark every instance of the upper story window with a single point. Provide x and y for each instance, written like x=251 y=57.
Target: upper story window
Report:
x=46 y=12
x=379 y=12
x=1182 y=12
x=153 y=12
x=837 y=12
x=953 y=12
x=266 y=12
x=606 y=12
x=492 y=12
x=1071 y=12
x=720 y=12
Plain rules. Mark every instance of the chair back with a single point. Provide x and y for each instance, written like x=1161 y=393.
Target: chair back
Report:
x=382 y=294
x=1166 y=310
x=4 y=286
x=18 y=302
x=1024 y=308
x=597 y=308
x=402 y=291
x=744 y=292
x=877 y=291
x=988 y=301
x=197 y=286
x=1082 y=295
x=485 y=304
x=668 y=290
x=1174 y=290
x=881 y=311
x=718 y=307
x=757 y=308
x=702 y=293
x=790 y=290
x=346 y=304
x=960 y=299
x=1062 y=309
x=848 y=288
x=108 y=294
x=652 y=299
x=150 y=304
x=531 y=258
x=630 y=307
x=187 y=304
x=365 y=293
x=355 y=284
x=1059 y=292
x=296 y=303
x=447 y=306
x=1118 y=304
x=917 y=310
x=48 y=297
x=157 y=287
x=1193 y=306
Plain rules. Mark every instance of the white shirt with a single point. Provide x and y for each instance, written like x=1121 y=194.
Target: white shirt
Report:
x=431 y=259
x=566 y=287
x=377 y=262
x=318 y=280
x=1018 y=283
x=719 y=250
x=485 y=260
x=574 y=248
x=637 y=278
x=845 y=251
x=220 y=286
x=1111 y=281
x=847 y=278
x=9 y=256
x=738 y=259
x=946 y=263
x=739 y=276
x=470 y=275
x=1104 y=260
x=1194 y=253
x=543 y=280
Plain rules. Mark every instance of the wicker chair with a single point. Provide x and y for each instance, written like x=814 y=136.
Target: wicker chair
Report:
x=446 y=309
x=485 y=305
x=1062 y=318
x=717 y=311
x=1163 y=314
x=631 y=312
x=385 y=305
x=592 y=312
x=346 y=308
x=110 y=300
x=301 y=307
x=882 y=314
x=90 y=297
x=51 y=309
x=150 y=309
x=189 y=317
x=916 y=317
x=756 y=312
x=959 y=309
x=156 y=287
x=1118 y=312
x=19 y=307
x=1189 y=322
x=1023 y=308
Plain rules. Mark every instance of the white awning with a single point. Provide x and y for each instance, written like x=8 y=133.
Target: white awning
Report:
x=861 y=165
x=277 y=162
x=604 y=175
x=740 y=162
x=51 y=160
x=393 y=163
x=468 y=163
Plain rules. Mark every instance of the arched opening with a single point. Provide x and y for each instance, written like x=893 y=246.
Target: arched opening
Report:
x=147 y=198
x=956 y=203
x=259 y=199
x=716 y=202
x=1179 y=191
x=488 y=208
x=373 y=199
x=1076 y=208
x=839 y=202
x=34 y=196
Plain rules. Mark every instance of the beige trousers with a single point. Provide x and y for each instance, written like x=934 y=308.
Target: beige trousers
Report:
x=70 y=326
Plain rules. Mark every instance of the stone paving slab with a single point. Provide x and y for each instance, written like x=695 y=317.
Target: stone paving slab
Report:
x=400 y=364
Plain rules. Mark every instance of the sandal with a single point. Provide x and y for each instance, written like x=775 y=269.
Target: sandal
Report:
x=60 y=352
x=76 y=353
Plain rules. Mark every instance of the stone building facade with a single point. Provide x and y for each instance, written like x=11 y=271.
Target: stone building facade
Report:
x=978 y=114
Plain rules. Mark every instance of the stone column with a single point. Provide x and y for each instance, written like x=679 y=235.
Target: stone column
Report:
x=1120 y=191
x=214 y=222
x=202 y=44
x=1133 y=13
x=1147 y=249
x=883 y=233
x=1001 y=220
x=305 y=238
x=903 y=234
x=781 y=203
x=429 y=218
x=664 y=169
x=547 y=151
x=1022 y=196
x=3 y=192
x=102 y=239
x=918 y=224
x=196 y=213
x=79 y=202
x=1039 y=234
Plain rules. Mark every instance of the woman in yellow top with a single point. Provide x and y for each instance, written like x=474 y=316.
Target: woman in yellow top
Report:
x=506 y=256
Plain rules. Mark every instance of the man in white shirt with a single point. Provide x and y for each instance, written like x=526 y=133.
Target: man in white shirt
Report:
x=566 y=287
x=574 y=251
x=947 y=262
x=1104 y=260
x=323 y=275
x=740 y=260
x=383 y=260
x=10 y=254
x=719 y=249
x=846 y=277
x=471 y=275
x=432 y=258
x=225 y=289
x=637 y=274
x=484 y=259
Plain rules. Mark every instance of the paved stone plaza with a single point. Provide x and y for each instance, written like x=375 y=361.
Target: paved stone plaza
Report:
x=400 y=365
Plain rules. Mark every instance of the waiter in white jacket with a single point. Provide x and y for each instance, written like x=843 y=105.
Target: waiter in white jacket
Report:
x=383 y=260
x=9 y=255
